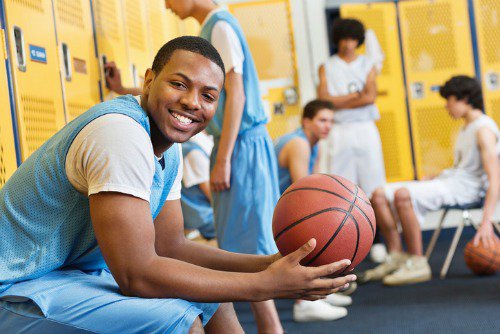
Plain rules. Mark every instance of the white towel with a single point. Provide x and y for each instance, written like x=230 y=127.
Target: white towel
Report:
x=373 y=50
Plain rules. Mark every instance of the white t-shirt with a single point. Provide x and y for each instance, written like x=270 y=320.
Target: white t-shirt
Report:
x=344 y=78
x=196 y=163
x=226 y=42
x=114 y=153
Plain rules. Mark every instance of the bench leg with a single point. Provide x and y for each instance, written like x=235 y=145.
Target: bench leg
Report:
x=435 y=235
x=454 y=243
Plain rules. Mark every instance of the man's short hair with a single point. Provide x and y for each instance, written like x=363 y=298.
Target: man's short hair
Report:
x=464 y=88
x=348 y=28
x=189 y=43
x=311 y=109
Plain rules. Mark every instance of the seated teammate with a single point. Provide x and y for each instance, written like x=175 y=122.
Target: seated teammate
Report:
x=297 y=153
x=474 y=174
x=92 y=224
x=196 y=196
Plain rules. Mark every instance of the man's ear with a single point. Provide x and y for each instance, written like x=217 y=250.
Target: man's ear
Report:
x=148 y=81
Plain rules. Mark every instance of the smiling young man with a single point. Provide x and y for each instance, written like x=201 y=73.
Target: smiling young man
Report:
x=92 y=223
x=243 y=176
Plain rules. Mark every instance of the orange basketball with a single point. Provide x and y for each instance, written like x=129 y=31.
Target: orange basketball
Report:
x=330 y=209
x=482 y=260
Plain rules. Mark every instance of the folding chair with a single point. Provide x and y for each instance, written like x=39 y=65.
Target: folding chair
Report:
x=466 y=219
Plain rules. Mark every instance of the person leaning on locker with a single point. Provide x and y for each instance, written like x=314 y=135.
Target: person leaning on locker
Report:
x=297 y=154
x=348 y=81
x=243 y=177
x=92 y=224
x=474 y=175
x=195 y=194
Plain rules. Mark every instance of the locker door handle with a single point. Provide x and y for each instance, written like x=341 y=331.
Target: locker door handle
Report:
x=20 y=51
x=68 y=72
x=135 y=76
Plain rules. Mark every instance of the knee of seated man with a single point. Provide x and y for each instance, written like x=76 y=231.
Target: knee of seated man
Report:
x=197 y=327
x=378 y=197
x=402 y=198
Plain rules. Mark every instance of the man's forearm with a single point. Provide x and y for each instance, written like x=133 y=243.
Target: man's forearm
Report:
x=169 y=278
x=218 y=259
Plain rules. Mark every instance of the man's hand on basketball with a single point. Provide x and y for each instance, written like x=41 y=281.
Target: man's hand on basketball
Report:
x=286 y=278
x=486 y=235
x=220 y=176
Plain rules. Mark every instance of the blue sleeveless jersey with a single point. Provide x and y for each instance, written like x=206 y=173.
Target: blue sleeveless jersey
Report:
x=44 y=221
x=196 y=208
x=253 y=114
x=284 y=173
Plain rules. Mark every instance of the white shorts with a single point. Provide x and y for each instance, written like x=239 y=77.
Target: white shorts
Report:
x=425 y=196
x=354 y=151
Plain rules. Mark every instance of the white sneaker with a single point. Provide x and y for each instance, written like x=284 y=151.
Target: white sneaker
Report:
x=336 y=299
x=415 y=270
x=305 y=311
x=378 y=253
x=392 y=263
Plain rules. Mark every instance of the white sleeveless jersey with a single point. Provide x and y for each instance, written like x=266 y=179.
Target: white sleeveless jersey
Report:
x=468 y=173
x=345 y=78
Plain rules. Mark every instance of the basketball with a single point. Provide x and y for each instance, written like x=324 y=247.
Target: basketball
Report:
x=331 y=209
x=482 y=260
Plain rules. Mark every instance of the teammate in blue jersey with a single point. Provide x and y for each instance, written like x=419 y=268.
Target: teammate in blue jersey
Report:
x=92 y=227
x=243 y=174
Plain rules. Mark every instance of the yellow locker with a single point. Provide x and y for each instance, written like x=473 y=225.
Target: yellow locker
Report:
x=8 y=162
x=268 y=28
x=393 y=124
x=487 y=18
x=163 y=25
x=139 y=55
x=111 y=43
x=78 y=60
x=436 y=45
x=189 y=27
x=35 y=69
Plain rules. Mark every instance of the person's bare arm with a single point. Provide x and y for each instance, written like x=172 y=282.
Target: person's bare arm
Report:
x=114 y=81
x=352 y=100
x=126 y=236
x=298 y=153
x=205 y=189
x=487 y=144
x=233 y=112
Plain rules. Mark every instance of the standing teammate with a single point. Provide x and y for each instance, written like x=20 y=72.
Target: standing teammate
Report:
x=348 y=81
x=297 y=154
x=474 y=174
x=92 y=224
x=243 y=175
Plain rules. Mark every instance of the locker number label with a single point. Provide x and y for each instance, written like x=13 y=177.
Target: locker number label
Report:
x=38 y=54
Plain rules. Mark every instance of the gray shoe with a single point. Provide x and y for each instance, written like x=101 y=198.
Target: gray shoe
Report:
x=392 y=263
x=415 y=270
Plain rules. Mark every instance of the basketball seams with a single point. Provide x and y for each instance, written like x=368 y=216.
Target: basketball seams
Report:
x=348 y=214
x=490 y=261
x=289 y=227
x=339 y=196
x=345 y=187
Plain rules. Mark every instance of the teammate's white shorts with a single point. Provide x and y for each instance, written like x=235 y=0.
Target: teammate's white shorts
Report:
x=354 y=151
x=425 y=196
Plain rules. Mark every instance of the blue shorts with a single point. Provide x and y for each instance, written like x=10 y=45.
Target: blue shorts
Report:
x=243 y=214
x=72 y=301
